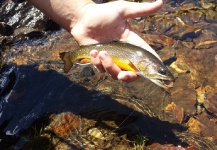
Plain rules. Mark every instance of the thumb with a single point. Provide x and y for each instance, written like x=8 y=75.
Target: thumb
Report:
x=132 y=9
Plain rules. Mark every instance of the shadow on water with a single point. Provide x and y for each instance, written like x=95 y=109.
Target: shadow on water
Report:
x=32 y=94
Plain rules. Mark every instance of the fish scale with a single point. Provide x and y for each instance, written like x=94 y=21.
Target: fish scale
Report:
x=128 y=57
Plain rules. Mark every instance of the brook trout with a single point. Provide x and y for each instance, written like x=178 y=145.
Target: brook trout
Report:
x=128 y=57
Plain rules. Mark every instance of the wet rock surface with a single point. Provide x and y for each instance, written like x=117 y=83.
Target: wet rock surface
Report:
x=88 y=110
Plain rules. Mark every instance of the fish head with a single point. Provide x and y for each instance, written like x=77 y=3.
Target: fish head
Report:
x=157 y=72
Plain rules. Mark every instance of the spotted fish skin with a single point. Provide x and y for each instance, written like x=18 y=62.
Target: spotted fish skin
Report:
x=128 y=57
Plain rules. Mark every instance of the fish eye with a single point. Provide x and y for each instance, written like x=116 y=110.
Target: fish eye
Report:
x=162 y=71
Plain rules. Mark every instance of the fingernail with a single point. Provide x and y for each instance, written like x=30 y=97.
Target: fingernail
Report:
x=93 y=53
x=123 y=77
x=103 y=56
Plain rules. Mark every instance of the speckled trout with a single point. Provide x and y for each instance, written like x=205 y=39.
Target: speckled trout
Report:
x=128 y=57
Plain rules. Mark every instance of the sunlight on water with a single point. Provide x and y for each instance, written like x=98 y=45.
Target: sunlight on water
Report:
x=88 y=110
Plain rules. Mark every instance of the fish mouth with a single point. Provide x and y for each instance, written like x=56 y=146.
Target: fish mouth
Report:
x=165 y=84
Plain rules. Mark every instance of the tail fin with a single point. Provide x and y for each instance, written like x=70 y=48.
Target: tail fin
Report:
x=67 y=62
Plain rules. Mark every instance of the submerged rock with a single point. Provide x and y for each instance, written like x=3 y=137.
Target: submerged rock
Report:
x=96 y=133
x=5 y=30
x=210 y=103
x=92 y=111
x=63 y=124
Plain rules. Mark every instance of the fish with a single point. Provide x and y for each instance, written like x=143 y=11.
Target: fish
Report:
x=128 y=57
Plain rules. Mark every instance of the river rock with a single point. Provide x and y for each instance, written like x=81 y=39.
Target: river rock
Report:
x=5 y=29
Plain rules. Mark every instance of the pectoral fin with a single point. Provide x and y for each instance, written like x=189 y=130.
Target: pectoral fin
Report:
x=134 y=68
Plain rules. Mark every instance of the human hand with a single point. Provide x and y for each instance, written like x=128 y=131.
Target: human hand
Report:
x=100 y=23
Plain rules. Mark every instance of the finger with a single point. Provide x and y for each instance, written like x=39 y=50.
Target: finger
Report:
x=108 y=64
x=96 y=61
x=132 y=9
x=127 y=76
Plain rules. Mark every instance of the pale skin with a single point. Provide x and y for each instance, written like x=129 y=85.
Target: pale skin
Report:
x=91 y=23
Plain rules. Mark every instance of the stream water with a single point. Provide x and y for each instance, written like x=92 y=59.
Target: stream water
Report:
x=43 y=108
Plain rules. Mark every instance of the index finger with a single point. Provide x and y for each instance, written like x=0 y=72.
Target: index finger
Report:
x=109 y=65
x=132 y=9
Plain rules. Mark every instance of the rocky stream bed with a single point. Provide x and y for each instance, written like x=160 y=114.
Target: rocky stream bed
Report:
x=43 y=108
